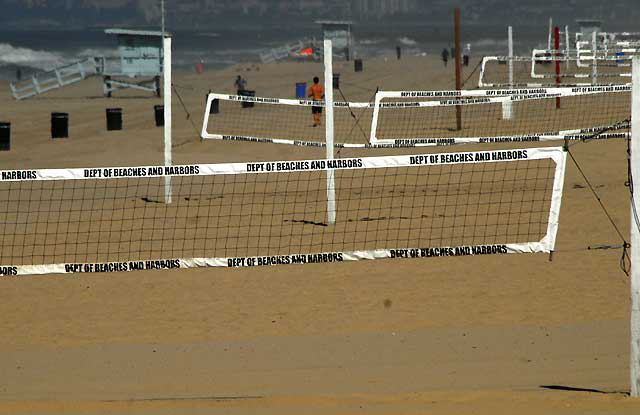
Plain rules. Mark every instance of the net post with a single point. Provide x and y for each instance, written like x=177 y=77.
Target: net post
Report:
x=556 y=32
x=594 y=50
x=328 y=106
x=507 y=106
x=166 y=68
x=550 y=33
x=456 y=24
x=635 y=232
x=567 y=45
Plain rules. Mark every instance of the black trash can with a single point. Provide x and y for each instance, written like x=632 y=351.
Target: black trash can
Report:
x=336 y=81
x=5 y=136
x=247 y=93
x=357 y=65
x=114 y=119
x=59 y=125
x=215 y=106
x=159 y=114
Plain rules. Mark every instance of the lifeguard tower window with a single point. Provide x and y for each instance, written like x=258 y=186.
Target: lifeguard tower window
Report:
x=339 y=32
x=140 y=53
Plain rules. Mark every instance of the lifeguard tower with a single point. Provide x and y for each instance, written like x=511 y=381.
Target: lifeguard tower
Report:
x=586 y=27
x=340 y=33
x=139 y=61
x=137 y=64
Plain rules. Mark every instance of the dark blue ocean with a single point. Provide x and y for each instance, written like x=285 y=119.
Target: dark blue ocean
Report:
x=38 y=50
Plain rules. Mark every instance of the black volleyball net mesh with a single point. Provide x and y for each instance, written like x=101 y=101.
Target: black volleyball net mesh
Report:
x=513 y=115
x=249 y=214
x=427 y=118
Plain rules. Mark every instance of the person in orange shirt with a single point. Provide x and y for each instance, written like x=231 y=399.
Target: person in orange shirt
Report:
x=317 y=93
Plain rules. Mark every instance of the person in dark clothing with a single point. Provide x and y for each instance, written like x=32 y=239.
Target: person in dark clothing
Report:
x=445 y=56
x=240 y=84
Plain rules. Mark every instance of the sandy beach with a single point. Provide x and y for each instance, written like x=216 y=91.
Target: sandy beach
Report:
x=485 y=335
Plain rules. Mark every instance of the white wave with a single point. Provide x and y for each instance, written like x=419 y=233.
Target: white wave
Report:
x=407 y=41
x=38 y=59
x=486 y=43
x=370 y=41
x=92 y=52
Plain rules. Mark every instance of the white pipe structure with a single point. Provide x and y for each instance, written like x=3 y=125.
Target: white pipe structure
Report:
x=635 y=232
x=166 y=69
x=328 y=106
x=510 y=43
x=550 y=32
x=542 y=55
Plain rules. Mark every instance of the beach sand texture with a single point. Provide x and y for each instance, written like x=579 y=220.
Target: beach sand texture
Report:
x=484 y=334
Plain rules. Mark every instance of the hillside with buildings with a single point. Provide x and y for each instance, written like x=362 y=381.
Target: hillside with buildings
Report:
x=199 y=13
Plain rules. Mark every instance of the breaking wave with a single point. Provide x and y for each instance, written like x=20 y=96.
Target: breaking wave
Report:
x=37 y=59
x=407 y=41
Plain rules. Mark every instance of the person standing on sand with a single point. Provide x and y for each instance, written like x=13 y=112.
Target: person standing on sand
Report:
x=240 y=84
x=445 y=56
x=316 y=92
x=466 y=55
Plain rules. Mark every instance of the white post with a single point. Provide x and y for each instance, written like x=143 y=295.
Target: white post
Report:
x=635 y=232
x=567 y=46
x=550 y=33
x=507 y=106
x=328 y=107
x=594 y=66
x=167 y=114
x=510 y=43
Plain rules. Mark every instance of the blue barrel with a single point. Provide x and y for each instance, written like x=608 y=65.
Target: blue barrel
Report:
x=301 y=90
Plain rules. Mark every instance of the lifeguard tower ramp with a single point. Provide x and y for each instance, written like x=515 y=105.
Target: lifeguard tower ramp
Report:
x=292 y=50
x=54 y=79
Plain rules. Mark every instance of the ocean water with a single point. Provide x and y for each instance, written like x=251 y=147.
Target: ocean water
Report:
x=38 y=50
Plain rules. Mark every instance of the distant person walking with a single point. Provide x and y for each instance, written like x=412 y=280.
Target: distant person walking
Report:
x=240 y=84
x=466 y=55
x=445 y=56
x=316 y=92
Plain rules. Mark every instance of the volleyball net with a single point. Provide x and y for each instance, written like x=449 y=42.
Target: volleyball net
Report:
x=503 y=115
x=267 y=213
x=283 y=121
x=426 y=118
